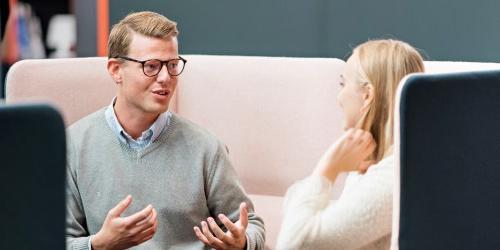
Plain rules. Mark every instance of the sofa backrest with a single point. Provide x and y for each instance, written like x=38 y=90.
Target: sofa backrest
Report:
x=451 y=67
x=77 y=86
x=276 y=115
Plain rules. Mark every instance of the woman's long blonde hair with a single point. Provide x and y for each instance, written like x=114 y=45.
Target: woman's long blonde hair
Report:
x=383 y=63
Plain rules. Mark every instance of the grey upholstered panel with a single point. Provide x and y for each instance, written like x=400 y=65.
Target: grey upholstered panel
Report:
x=450 y=161
x=32 y=178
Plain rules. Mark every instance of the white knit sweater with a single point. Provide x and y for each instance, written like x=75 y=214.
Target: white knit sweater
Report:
x=359 y=219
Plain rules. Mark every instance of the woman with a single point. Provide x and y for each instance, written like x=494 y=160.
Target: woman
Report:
x=361 y=217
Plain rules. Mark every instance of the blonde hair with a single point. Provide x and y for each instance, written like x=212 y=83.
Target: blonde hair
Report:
x=146 y=23
x=383 y=63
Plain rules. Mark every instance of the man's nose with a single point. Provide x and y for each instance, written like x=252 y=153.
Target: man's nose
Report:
x=163 y=75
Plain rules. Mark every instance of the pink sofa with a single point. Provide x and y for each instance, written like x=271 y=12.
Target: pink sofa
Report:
x=276 y=114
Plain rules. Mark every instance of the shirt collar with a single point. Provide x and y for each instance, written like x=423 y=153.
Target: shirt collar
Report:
x=146 y=138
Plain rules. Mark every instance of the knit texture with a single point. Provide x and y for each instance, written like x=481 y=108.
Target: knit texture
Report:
x=185 y=174
x=359 y=219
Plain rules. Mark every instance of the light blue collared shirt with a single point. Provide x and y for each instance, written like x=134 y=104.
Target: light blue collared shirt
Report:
x=146 y=138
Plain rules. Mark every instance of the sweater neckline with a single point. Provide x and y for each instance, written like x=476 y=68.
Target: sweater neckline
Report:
x=162 y=137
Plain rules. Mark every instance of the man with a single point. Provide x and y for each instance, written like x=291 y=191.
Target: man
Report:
x=172 y=173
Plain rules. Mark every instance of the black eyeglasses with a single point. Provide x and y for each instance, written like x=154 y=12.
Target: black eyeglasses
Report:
x=153 y=67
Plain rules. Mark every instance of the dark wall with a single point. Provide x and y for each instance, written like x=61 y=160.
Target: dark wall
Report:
x=443 y=29
x=86 y=30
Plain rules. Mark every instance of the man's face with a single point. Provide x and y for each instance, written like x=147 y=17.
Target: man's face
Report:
x=141 y=94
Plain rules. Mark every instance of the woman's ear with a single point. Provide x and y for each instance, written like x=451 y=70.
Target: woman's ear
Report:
x=368 y=96
x=114 y=69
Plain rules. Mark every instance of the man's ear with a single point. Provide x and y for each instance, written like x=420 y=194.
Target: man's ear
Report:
x=368 y=95
x=114 y=69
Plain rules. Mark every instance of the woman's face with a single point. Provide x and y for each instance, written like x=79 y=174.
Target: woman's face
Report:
x=352 y=94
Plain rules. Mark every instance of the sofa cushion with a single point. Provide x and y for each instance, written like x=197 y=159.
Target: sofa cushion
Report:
x=269 y=208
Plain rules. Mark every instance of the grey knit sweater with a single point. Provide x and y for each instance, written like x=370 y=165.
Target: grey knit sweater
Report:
x=185 y=174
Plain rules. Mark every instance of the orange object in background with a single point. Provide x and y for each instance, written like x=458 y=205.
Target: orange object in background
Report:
x=10 y=48
x=102 y=27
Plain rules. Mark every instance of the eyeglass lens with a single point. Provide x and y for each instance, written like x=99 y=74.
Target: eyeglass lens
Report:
x=153 y=67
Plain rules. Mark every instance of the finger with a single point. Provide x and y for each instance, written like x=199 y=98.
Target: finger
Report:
x=362 y=137
x=349 y=135
x=244 y=215
x=371 y=146
x=369 y=138
x=218 y=231
x=230 y=225
x=354 y=137
x=139 y=216
x=147 y=223
x=155 y=224
x=154 y=218
x=366 y=152
x=350 y=131
x=145 y=235
x=369 y=135
x=120 y=207
x=201 y=236
x=365 y=137
x=358 y=133
x=148 y=219
x=210 y=237
x=148 y=238
x=150 y=230
x=363 y=167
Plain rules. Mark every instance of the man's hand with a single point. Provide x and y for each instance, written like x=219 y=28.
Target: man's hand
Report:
x=126 y=232
x=234 y=238
x=350 y=153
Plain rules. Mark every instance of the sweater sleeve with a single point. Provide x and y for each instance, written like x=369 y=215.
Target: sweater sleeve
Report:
x=77 y=237
x=360 y=217
x=225 y=194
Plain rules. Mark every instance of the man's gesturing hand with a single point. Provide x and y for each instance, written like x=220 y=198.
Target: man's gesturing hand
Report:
x=126 y=232
x=235 y=237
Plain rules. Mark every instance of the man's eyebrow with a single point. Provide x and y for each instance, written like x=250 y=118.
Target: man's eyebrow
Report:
x=341 y=76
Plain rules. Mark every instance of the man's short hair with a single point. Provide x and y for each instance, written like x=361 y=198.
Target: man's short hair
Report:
x=146 y=23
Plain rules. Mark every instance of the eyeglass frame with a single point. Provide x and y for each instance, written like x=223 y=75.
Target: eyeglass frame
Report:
x=162 y=64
